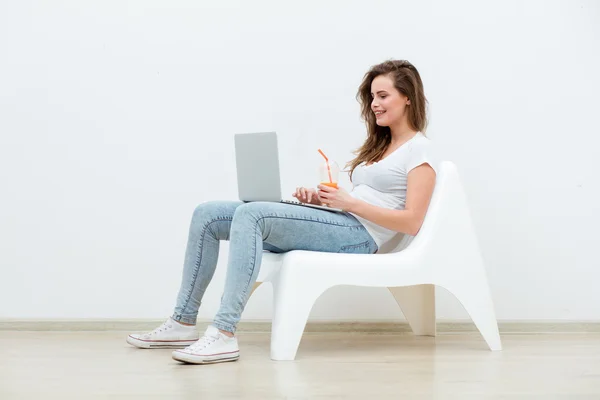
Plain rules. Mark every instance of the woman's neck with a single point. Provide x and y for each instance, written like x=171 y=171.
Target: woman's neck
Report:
x=401 y=132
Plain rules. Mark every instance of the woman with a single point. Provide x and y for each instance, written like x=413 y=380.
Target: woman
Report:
x=393 y=180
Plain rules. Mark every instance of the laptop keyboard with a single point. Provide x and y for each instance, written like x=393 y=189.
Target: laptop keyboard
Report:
x=296 y=203
x=291 y=202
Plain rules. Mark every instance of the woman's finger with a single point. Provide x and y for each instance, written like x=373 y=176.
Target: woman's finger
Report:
x=325 y=188
x=303 y=190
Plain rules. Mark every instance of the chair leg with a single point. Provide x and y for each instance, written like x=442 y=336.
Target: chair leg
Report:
x=476 y=298
x=418 y=306
x=291 y=306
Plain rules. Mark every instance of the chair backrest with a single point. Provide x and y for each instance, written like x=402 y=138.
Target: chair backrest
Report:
x=446 y=195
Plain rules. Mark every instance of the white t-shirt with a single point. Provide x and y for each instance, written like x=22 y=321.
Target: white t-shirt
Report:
x=383 y=183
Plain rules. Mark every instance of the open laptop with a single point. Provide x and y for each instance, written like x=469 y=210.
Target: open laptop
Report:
x=257 y=164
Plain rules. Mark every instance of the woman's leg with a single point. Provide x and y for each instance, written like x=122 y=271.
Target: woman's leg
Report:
x=211 y=223
x=277 y=227
x=285 y=227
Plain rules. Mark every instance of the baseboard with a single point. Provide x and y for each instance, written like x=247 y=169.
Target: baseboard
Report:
x=371 y=327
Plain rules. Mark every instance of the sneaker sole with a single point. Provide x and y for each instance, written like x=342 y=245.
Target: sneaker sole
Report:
x=192 y=359
x=159 y=344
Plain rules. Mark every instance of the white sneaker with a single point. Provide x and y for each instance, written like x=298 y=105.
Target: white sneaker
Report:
x=170 y=335
x=214 y=347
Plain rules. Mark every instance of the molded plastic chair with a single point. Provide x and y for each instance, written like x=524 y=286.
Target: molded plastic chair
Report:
x=445 y=252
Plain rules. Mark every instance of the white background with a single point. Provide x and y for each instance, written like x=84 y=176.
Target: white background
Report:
x=117 y=118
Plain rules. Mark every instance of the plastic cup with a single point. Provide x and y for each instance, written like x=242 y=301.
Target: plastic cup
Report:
x=329 y=173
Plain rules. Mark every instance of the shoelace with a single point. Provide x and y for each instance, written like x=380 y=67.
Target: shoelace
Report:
x=165 y=326
x=203 y=343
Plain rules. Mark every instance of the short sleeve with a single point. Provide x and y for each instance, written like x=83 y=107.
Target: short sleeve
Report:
x=421 y=152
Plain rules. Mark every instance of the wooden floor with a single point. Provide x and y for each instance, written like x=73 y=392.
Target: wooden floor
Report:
x=97 y=365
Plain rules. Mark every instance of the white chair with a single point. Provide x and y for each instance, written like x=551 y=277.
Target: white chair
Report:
x=445 y=252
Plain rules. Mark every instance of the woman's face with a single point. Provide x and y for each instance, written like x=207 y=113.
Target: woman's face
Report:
x=389 y=105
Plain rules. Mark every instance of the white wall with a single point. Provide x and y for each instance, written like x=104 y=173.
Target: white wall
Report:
x=117 y=118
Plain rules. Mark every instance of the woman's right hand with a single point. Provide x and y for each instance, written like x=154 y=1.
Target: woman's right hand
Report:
x=309 y=196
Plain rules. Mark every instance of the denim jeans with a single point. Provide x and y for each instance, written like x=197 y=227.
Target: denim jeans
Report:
x=252 y=228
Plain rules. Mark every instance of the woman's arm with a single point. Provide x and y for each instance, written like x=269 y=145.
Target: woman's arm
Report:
x=420 y=184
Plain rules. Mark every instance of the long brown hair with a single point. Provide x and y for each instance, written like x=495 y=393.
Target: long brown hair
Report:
x=407 y=81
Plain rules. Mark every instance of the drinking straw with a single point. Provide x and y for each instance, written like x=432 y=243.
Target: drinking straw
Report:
x=327 y=161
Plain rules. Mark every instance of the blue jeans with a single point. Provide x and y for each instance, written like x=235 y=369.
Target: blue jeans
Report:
x=252 y=228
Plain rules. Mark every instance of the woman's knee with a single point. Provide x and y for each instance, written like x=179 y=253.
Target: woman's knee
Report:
x=253 y=210
x=211 y=210
x=255 y=215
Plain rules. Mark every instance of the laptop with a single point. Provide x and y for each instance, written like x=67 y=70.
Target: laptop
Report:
x=257 y=164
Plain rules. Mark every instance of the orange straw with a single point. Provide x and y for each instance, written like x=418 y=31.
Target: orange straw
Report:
x=327 y=161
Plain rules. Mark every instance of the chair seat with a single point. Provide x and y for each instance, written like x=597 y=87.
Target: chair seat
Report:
x=375 y=270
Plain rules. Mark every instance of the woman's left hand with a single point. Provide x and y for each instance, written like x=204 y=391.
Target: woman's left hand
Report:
x=336 y=198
